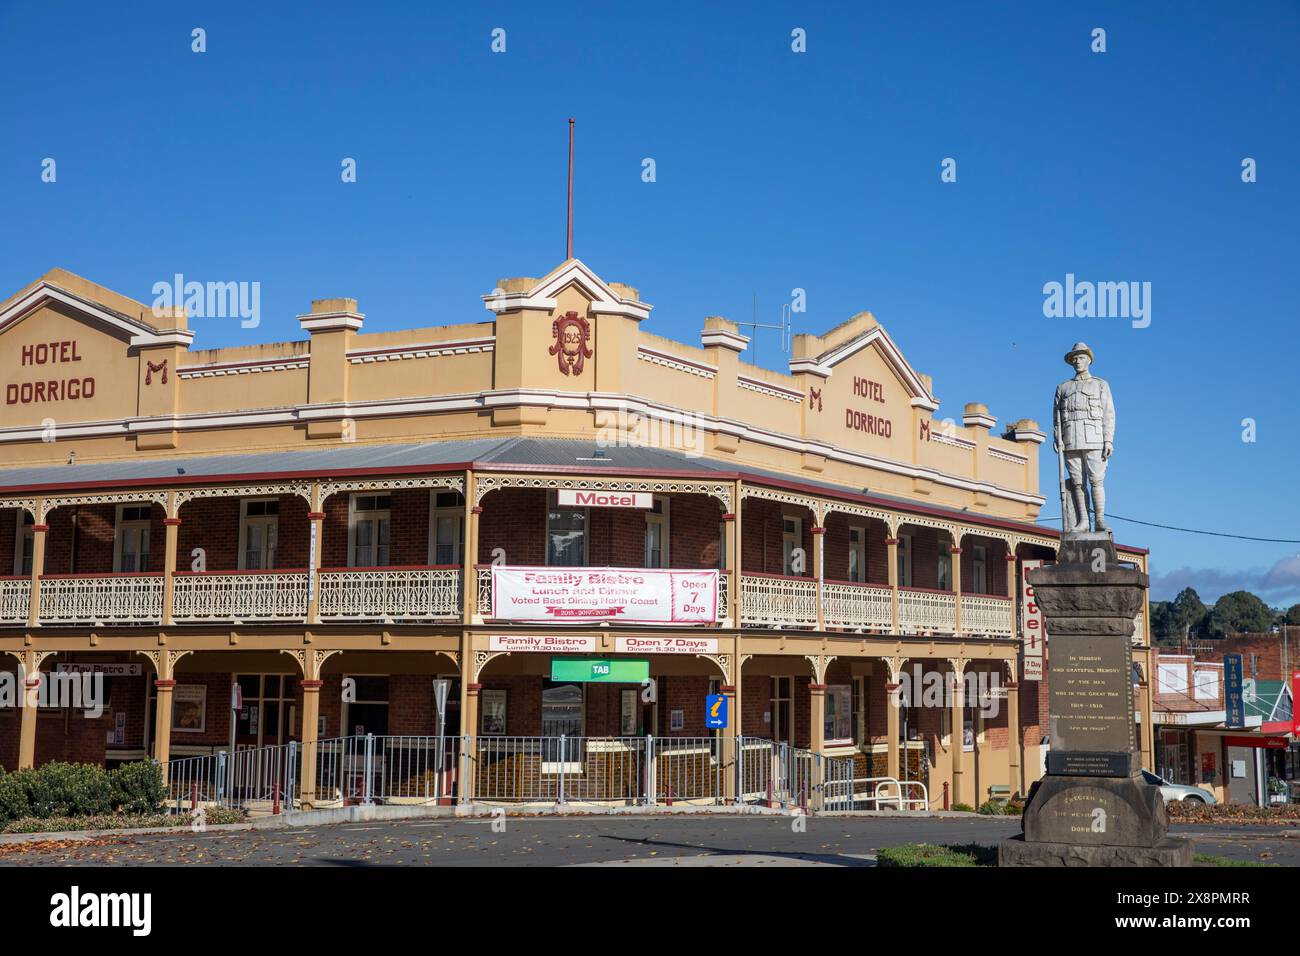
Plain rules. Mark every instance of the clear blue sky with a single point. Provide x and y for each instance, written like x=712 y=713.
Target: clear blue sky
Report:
x=775 y=170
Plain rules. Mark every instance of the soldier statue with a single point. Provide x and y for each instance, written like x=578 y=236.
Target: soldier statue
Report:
x=1083 y=418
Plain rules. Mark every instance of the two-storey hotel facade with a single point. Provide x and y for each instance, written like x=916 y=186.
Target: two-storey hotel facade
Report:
x=589 y=532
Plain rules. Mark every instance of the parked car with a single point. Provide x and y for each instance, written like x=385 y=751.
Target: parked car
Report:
x=1178 y=791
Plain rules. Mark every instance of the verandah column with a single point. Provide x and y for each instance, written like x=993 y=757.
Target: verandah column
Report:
x=39 y=531
x=30 y=671
x=955 y=551
x=727 y=743
x=817 y=739
x=309 y=740
x=819 y=538
x=891 y=559
x=1013 y=592
x=315 y=550
x=1147 y=687
x=735 y=559
x=957 y=722
x=469 y=727
x=469 y=559
x=1015 y=737
x=171 y=526
x=893 y=728
x=162 y=721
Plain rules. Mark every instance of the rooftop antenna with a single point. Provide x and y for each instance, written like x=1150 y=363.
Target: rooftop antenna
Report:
x=783 y=327
x=568 y=247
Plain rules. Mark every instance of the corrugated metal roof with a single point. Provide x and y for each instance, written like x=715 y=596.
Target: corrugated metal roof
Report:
x=90 y=474
x=482 y=453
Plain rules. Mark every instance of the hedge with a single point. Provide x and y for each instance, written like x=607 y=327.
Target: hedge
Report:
x=80 y=789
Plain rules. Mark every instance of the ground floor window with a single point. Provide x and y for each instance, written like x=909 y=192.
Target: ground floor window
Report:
x=838 y=722
x=267 y=713
x=492 y=722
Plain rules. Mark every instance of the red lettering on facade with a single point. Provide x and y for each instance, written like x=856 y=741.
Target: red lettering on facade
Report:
x=871 y=424
x=865 y=388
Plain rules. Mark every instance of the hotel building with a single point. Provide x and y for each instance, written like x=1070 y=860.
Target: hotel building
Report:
x=333 y=524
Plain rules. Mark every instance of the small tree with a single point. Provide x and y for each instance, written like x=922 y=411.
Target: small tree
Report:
x=1187 y=613
x=1239 y=612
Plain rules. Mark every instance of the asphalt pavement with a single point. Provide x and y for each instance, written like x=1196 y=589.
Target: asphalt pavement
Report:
x=662 y=840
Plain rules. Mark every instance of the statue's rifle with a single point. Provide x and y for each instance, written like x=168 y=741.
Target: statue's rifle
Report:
x=1067 y=506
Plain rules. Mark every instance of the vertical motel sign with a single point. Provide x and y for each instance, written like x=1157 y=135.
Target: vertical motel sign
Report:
x=1032 y=635
x=1233 y=692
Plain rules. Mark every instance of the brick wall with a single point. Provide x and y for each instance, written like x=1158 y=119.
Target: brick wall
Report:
x=762 y=532
x=836 y=548
x=513 y=519
x=1266 y=649
x=90 y=549
x=9 y=518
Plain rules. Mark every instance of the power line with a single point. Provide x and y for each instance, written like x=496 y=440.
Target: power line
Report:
x=1170 y=527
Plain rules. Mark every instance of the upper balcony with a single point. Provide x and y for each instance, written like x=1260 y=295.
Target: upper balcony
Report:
x=411 y=549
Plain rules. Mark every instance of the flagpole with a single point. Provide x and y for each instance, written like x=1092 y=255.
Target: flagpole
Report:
x=568 y=246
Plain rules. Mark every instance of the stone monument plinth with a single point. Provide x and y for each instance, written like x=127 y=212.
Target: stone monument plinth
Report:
x=1093 y=807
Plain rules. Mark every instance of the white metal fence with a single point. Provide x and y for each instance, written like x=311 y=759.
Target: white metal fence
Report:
x=101 y=599
x=256 y=780
x=15 y=593
x=239 y=596
x=388 y=769
x=986 y=614
x=774 y=600
x=393 y=594
x=857 y=606
x=922 y=609
x=573 y=771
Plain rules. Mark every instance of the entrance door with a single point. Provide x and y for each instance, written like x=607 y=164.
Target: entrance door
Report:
x=781 y=712
x=562 y=713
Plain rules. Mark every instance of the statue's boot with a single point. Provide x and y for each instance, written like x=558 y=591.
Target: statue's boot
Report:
x=1099 y=507
x=1080 y=507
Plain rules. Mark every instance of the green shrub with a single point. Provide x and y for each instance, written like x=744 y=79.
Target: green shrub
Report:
x=69 y=790
x=14 y=789
x=963 y=808
x=992 y=808
x=138 y=787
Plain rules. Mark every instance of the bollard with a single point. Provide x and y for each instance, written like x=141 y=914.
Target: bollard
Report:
x=194 y=795
x=275 y=792
x=945 y=794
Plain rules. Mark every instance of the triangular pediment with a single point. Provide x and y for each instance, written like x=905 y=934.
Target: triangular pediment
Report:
x=870 y=336
x=99 y=308
x=604 y=297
